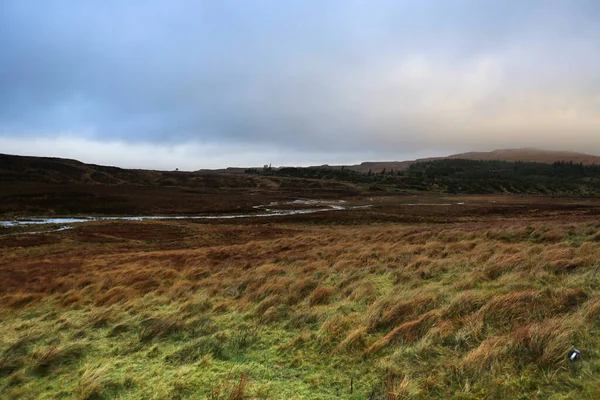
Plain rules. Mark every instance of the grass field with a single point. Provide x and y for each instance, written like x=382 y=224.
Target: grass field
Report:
x=470 y=302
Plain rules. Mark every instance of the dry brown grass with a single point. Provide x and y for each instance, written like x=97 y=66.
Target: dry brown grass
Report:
x=470 y=297
x=93 y=381
x=230 y=390
x=407 y=333
x=321 y=295
x=516 y=309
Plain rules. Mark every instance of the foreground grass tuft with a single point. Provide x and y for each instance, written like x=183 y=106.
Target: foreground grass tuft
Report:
x=467 y=310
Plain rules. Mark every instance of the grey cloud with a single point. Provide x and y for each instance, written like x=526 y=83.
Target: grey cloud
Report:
x=334 y=76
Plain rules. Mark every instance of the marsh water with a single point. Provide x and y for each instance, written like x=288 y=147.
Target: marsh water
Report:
x=266 y=212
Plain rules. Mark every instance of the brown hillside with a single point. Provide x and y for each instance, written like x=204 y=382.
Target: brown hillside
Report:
x=40 y=185
x=525 y=154
x=532 y=155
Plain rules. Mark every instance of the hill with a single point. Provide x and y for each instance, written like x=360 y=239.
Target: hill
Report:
x=61 y=171
x=463 y=176
x=530 y=155
x=493 y=176
x=41 y=185
x=524 y=154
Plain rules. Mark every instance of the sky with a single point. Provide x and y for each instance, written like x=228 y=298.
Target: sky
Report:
x=209 y=84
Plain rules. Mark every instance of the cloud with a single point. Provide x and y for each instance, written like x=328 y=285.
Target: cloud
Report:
x=297 y=80
x=186 y=156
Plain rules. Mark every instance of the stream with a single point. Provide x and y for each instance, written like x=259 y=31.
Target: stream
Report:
x=266 y=213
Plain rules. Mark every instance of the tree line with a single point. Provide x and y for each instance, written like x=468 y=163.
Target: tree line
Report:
x=466 y=176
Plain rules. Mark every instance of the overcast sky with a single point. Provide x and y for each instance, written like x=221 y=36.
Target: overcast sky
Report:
x=204 y=84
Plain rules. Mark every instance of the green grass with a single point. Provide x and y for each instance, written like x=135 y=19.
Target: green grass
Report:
x=379 y=312
x=70 y=358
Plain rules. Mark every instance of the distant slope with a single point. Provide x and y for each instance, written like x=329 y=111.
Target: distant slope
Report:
x=22 y=170
x=378 y=166
x=459 y=175
x=525 y=154
x=531 y=155
x=42 y=186
x=463 y=176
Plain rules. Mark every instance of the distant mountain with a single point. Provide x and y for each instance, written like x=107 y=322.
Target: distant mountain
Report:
x=530 y=154
x=19 y=169
x=524 y=154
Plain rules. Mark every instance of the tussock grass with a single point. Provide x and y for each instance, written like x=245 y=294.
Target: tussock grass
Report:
x=19 y=300
x=467 y=310
x=407 y=332
x=14 y=355
x=194 y=350
x=230 y=389
x=321 y=295
x=195 y=305
x=44 y=358
x=356 y=340
x=161 y=326
x=511 y=310
x=396 y=313
x=94 y=381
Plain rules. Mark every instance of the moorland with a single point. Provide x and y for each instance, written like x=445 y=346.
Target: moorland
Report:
x=399 y=295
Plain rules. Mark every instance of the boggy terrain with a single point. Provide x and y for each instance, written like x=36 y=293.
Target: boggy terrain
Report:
x=40 y=186
x=477 y=300
x=53 y=186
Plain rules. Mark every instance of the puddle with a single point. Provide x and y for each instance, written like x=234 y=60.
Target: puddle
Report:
x=266 y=213
x=326 y=205
x=433 y=204
x=304 y=202
x=313 y=202
x=62 y=228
